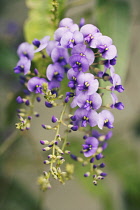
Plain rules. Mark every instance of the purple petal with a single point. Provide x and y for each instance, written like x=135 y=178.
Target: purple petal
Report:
x=93 y=118
x=66 y=22
x=60 y=53
x=110 y=53
x=88 y=29
x=51 y=45
x=52 y=69
x=43 y=43
x=103 y=116
x=59 y=33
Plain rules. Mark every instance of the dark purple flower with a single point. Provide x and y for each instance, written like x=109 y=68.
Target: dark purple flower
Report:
x=105 y=47
x=26 y=50
x=116 y=81
x=82 y=50
x=109 y=63
x=90 y=33
x=23 y=66
x=90 y=146
x=106 y=119
x=87 y=102
x=84 y=117
x=79 y=63
x=35 y=84
x=41 y=44
x=60 y=54
x=72 y=76
x=116 y=104
x=87 y=85
x=55 y=72
x=70 y=39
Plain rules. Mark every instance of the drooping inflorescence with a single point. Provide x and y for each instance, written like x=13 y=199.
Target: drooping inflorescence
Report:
x=84 y=59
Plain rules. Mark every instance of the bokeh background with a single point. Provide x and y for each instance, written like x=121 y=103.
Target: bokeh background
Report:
x=20 y=153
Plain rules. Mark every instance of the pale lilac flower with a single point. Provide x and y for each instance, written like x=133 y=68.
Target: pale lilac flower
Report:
x=90 y=146
x=60 y=54
x=84 y=117
x=116 y=81
x=116 y=104
x=55 y=72
x=51 y=45
x=105 y=47
x=79 y=63
x=87 y=85
x=87 y=102
x=23 y=66
x=72 y=76
x=26 y=50
x=106 y=119
x=90 y=33
x=35 y=84
x=82 y=50
x=70 y=39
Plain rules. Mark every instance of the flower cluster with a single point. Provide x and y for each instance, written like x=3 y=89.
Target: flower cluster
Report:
x=81 y=56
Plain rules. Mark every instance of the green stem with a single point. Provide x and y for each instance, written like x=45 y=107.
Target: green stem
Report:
x=57 y=132
x=8 y=142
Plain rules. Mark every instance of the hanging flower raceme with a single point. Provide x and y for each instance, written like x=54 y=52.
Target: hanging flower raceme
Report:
x=70 y=78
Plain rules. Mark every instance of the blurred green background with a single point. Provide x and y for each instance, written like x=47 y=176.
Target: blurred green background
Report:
x=21 y=161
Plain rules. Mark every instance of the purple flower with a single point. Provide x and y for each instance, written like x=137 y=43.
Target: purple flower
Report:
x=23 y=66
x=62 y=30
x=35 y=84
x=55 y=72
x=42 y=44
x=79 y=63
x=26 y=50
x=59 y=33
x=105 y=47
x=51 y=45
x=87 y=102
x=70 y=39
x=72 y=76
x=66 y=22
x=116 y=104
x=106 y=119
x=82 y=50
x=90 y=146
x=116 y=81
x=86 y=84
x=60 y=54
x=90 y=33
x=84 y=117
x=109 y=63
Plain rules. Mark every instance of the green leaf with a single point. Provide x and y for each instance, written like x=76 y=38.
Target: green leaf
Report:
x=40 y=21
